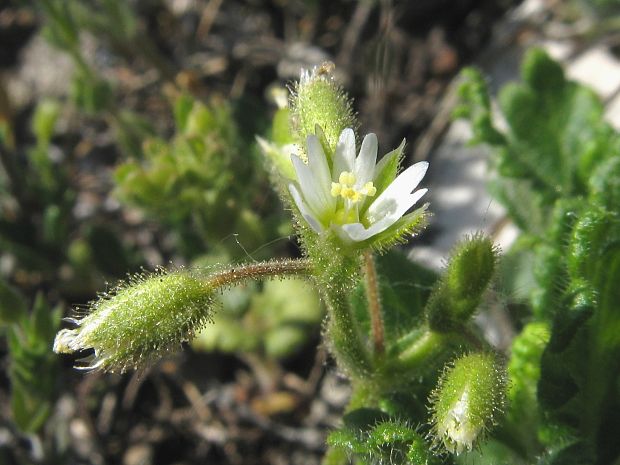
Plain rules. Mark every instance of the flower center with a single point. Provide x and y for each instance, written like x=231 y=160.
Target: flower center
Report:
x=345 y=188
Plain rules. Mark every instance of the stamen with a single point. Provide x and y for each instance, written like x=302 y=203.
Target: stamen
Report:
x=347 y=178
x=336 y=189
x=344 y=188
x=369 y=189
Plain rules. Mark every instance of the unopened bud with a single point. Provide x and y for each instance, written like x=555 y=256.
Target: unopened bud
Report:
x=318 y=100
x=468 y=400
x=140 y=321
x=457 y=295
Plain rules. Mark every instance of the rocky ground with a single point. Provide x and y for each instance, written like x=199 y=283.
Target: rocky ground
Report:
x=399 y=61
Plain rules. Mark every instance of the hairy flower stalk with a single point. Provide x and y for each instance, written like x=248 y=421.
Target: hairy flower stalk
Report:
x=374 y=302
x=153 y=314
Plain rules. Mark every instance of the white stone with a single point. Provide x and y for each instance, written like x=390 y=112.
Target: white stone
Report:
x=598 y=69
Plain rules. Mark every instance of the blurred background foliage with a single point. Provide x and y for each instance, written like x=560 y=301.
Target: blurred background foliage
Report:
x=127 y=140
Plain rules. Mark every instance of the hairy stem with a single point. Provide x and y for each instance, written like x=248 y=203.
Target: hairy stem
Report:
x=274 y=268
x=336 y=279
x=374 y=303
x=344 y=336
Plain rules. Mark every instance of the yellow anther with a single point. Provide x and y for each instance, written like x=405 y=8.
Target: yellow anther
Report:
x=336 y=189
x=344 y=188
x=347 y=178
x=346 y=192
x=369 y=189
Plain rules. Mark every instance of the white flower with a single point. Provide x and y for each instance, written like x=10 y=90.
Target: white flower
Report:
x=354 y=198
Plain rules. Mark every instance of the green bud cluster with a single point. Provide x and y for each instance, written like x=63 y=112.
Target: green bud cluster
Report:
x=468 y=400
x=458 y=293
x=318 y=100
x=141 y=320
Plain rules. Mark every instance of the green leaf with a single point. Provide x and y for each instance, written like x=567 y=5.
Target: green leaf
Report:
x=182 y=108
x=578 y=453
x=580 y=364
x=475 y=105
x=604 y=183
x=90 y=93
x=551 y=125
x=281 y=128
x=44 y=121
x=12 y=304
x=555 y=138
x=372 y=436
x=29 y=413
x=268 y=321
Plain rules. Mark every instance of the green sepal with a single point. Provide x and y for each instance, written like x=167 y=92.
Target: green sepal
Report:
x=387 y=168
x=327 y=149
x=399 y=233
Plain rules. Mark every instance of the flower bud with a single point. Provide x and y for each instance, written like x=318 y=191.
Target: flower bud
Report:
x=456 y=296
x=318 y=100
x=470 y=396
x=140 y=321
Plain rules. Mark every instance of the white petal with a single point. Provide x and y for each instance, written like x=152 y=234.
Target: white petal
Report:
x=354 y=232
x=317 y=162
x=344 y=157
x=366 y=160
x=357 y=232
x=304 y=210
x=308 y=184
x=398 y=190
